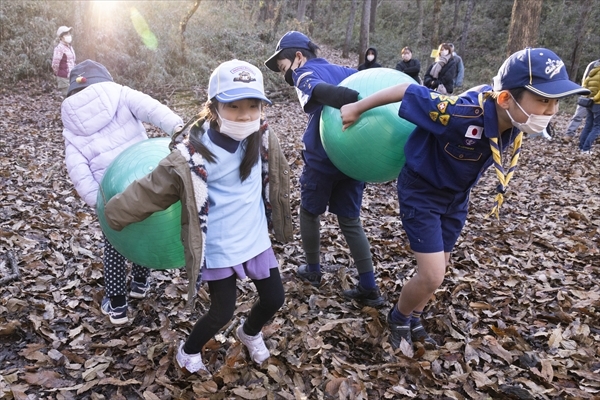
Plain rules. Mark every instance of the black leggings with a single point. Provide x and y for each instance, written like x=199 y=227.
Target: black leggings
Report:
x=223 y=294
x=115 y=271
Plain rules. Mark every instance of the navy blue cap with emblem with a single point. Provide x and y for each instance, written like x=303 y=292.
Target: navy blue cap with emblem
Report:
x=291 y=40
x=538 y=70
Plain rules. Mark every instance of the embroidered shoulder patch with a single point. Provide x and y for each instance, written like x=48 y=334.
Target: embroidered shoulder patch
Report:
x=450 y=99
x=442 y=106
x=444 y=119
x=433 y=115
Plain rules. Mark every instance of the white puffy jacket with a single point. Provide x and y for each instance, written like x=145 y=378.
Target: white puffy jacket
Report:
x=99 y=123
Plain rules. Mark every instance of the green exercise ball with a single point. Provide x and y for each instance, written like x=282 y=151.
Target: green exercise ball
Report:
x=372 y=149
x=156 y=241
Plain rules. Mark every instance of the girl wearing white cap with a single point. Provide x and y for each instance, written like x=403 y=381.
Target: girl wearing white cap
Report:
x=233 y=182
x=63 y=60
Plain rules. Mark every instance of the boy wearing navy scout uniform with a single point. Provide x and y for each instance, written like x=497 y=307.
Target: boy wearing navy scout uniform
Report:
x=323 y=186
x=455 y=140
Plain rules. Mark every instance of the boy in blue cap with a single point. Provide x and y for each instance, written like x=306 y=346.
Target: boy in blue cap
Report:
x=456 y=139
x=323 y=186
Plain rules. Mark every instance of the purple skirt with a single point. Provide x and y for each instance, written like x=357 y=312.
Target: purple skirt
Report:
x=256 y=268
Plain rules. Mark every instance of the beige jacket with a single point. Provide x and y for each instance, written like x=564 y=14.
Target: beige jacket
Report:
x=171 y=181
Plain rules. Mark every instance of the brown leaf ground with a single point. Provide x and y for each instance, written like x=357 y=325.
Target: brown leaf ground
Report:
x=517 y=315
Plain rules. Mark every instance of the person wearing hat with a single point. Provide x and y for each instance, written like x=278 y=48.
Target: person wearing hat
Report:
x=63 y=59
x=233 y=182
x=101 y=119
x=323 y=185
x=456 y=139
x=580 y=111
x=591 y=129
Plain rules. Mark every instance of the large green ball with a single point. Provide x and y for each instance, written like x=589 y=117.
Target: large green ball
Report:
x=372 y=149
x=156 y=241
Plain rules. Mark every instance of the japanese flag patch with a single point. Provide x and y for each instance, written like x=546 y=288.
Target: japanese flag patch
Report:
x=474 y=132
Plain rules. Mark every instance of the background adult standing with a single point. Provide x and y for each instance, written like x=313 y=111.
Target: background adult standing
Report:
x=410 y=66
x=440 y=75
x=63 y=60
x=580 y=112
x=370 y=59
x=460 y=68
x=591 y=130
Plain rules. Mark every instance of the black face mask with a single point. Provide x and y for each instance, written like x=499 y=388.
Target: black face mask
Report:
x=288 y=77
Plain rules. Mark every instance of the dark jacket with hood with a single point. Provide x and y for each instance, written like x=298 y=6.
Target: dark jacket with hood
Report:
x=370 y=64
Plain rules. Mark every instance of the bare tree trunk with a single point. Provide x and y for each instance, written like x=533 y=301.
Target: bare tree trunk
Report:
x=455 y=18
x=373 y=17
x=183 y=26
x=524 y=25
x=301 y=10
x=435 y=34
x=462 y=48
x=278 y=16
x=586 y=11
x=266 y=10
x=364 y=31
x=313 y=15
x=349 y=29
x=86 y=31
x=420 y=23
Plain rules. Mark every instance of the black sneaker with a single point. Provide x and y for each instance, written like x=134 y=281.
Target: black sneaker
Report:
x=398 y=332
x=118 y=315
x=314 y=278
x=419 y=334
x=368 y=297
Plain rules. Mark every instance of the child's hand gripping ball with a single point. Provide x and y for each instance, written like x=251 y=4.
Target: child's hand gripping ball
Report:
x=372 y=149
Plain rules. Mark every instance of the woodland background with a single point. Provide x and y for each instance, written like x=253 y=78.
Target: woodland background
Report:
x=518 y=313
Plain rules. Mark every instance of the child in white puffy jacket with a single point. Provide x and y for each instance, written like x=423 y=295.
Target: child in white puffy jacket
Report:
x=101 y=119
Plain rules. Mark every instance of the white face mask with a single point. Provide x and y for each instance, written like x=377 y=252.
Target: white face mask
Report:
x=67 y=38
x=534 y=124
x=444 y=53
x=238 y=130
x=370 y=57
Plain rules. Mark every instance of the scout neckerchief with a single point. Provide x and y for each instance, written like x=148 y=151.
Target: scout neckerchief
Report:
x=504 y=178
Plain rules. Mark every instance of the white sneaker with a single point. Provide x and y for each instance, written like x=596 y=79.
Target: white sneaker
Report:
x=255 y=345
x=586 y=152
x=190 y=362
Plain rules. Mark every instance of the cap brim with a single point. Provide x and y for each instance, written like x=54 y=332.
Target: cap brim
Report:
x=556 y=90
x=230 y=96
x=271 y=63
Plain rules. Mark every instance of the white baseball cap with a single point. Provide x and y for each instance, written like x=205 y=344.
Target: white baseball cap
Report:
x=62 y=29
x=236 y=80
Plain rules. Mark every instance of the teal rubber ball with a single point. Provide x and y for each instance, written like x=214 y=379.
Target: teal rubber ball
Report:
x=156 y=241
x=372 y=149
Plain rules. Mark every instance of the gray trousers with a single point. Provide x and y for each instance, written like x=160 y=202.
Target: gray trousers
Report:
x=578 y=117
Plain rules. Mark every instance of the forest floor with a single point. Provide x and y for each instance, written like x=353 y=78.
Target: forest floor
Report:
x=517 y=316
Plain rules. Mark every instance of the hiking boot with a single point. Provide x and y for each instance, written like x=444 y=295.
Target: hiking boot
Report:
x=139 y=290
x=190 y=362
x=117 y=315
x=255 y=345
x=419 y=334
x=368 y=297
x=398 y=332
x=314 y=278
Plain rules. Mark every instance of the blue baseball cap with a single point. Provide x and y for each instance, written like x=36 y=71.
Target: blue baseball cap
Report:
x=538 y=70
x=236 y=80
x=291 y=39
